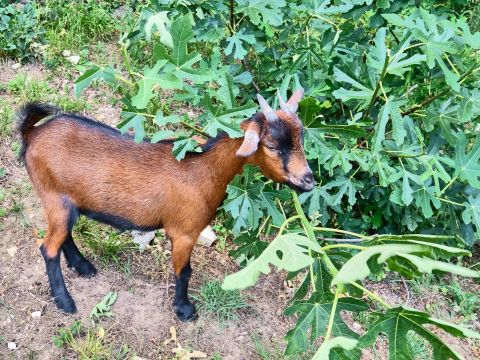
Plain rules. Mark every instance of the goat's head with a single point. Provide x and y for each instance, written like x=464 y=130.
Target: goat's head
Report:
x=274 y=141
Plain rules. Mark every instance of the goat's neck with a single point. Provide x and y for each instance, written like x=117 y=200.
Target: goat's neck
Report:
x=218 y=167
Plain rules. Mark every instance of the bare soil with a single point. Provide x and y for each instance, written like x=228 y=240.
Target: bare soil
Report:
x=142 y=315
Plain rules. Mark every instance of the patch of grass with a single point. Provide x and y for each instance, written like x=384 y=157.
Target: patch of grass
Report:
x=69 y=104
x=465 y=303
x=419 y=348
x=223 y=304
x=28 y=89
x=6 y=119
x=105 y=243
x=74 y=26
x=267 y=353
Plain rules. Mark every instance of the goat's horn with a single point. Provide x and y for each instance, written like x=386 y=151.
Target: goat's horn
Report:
x=295 y=99
x=283 y=105
x=266 y=109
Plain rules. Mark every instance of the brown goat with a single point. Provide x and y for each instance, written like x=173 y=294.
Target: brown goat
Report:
x=79 y=166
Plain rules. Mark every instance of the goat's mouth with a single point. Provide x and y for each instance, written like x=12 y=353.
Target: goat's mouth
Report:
x=302 y=187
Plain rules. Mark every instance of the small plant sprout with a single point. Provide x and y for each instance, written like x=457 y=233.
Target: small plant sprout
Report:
x=103 y=308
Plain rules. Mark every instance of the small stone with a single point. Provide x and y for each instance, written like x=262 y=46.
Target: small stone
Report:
x=16 y=66
x=74 y=59
x=207 y=237
x=12 y=251
x=142 y=239
x=11 y=345
x=66 y=53
x=120 y=12
x=36 y=314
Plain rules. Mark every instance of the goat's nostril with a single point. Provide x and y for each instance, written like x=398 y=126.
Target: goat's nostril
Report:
x=308 y=178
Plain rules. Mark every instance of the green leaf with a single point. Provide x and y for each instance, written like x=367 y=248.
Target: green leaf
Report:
x=471 y=214
x=397 y=322
x=308 y=108
x=391 y=110
x=268 y=198
x=343 y=342
x=314 y=313
x=250 y=246
x=262 y=12
x=135 y=122
x=182 y=33
x=162 y=23
x=162 y=135
x=243 y=201
x=151 y=80
x=226 y=119
x=424 y=197
x=345 y=187
x=467 y=165
x=103 y=308
x=359 y=92
x=106 y=73
x=182 y=146
x=236 y=41
x=348 y=131
x=286 y=252
x=357 y=267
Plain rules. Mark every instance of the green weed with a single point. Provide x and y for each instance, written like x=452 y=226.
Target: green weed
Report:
x=6 y=119
x=104 y=243
x=104 y=307
x=465 y=303
x=418 y=347
x=28 y=89
x=222 y=304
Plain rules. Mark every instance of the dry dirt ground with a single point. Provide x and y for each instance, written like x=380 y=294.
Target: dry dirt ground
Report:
x=142 y=314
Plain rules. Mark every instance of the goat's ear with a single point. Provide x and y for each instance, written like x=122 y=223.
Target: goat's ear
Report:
x=250 y=140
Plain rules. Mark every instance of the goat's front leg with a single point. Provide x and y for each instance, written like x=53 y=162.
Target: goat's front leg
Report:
x=182 y=247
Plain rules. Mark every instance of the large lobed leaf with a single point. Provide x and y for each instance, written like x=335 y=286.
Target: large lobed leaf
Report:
x=397 y=322
x=287 y=252
x=417 y=253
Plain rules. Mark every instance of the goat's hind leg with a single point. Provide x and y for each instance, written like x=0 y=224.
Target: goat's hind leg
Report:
x=57 y=213
x=75 y=259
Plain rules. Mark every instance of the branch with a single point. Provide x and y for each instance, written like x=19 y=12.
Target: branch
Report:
x=247 y=68
x=343 y=240
x=430 y=99
x=377 y=88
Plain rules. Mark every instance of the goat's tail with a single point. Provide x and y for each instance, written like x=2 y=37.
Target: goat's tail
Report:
x=28 y=115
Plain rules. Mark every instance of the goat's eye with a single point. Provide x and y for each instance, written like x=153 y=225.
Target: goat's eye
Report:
x=271 y=147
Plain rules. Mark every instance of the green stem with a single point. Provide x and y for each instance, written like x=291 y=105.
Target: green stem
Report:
x=377 y=88
x=371 y=295
x=339 y=231
x=449 y=201
x=332 y=316
x=346 y=246
x=308 y=230
x=286 y=222
x=127 y=63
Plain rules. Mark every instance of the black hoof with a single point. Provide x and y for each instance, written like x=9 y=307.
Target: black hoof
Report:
x=85 y=269
x=185 y=312
x=66 y=304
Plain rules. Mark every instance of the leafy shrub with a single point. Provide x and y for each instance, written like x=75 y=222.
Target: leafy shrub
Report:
x=391 y=116
x=20 y=33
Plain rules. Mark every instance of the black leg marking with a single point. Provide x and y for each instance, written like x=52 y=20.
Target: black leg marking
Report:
x=57 y=286
x=76 y=260
x=183 y=307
